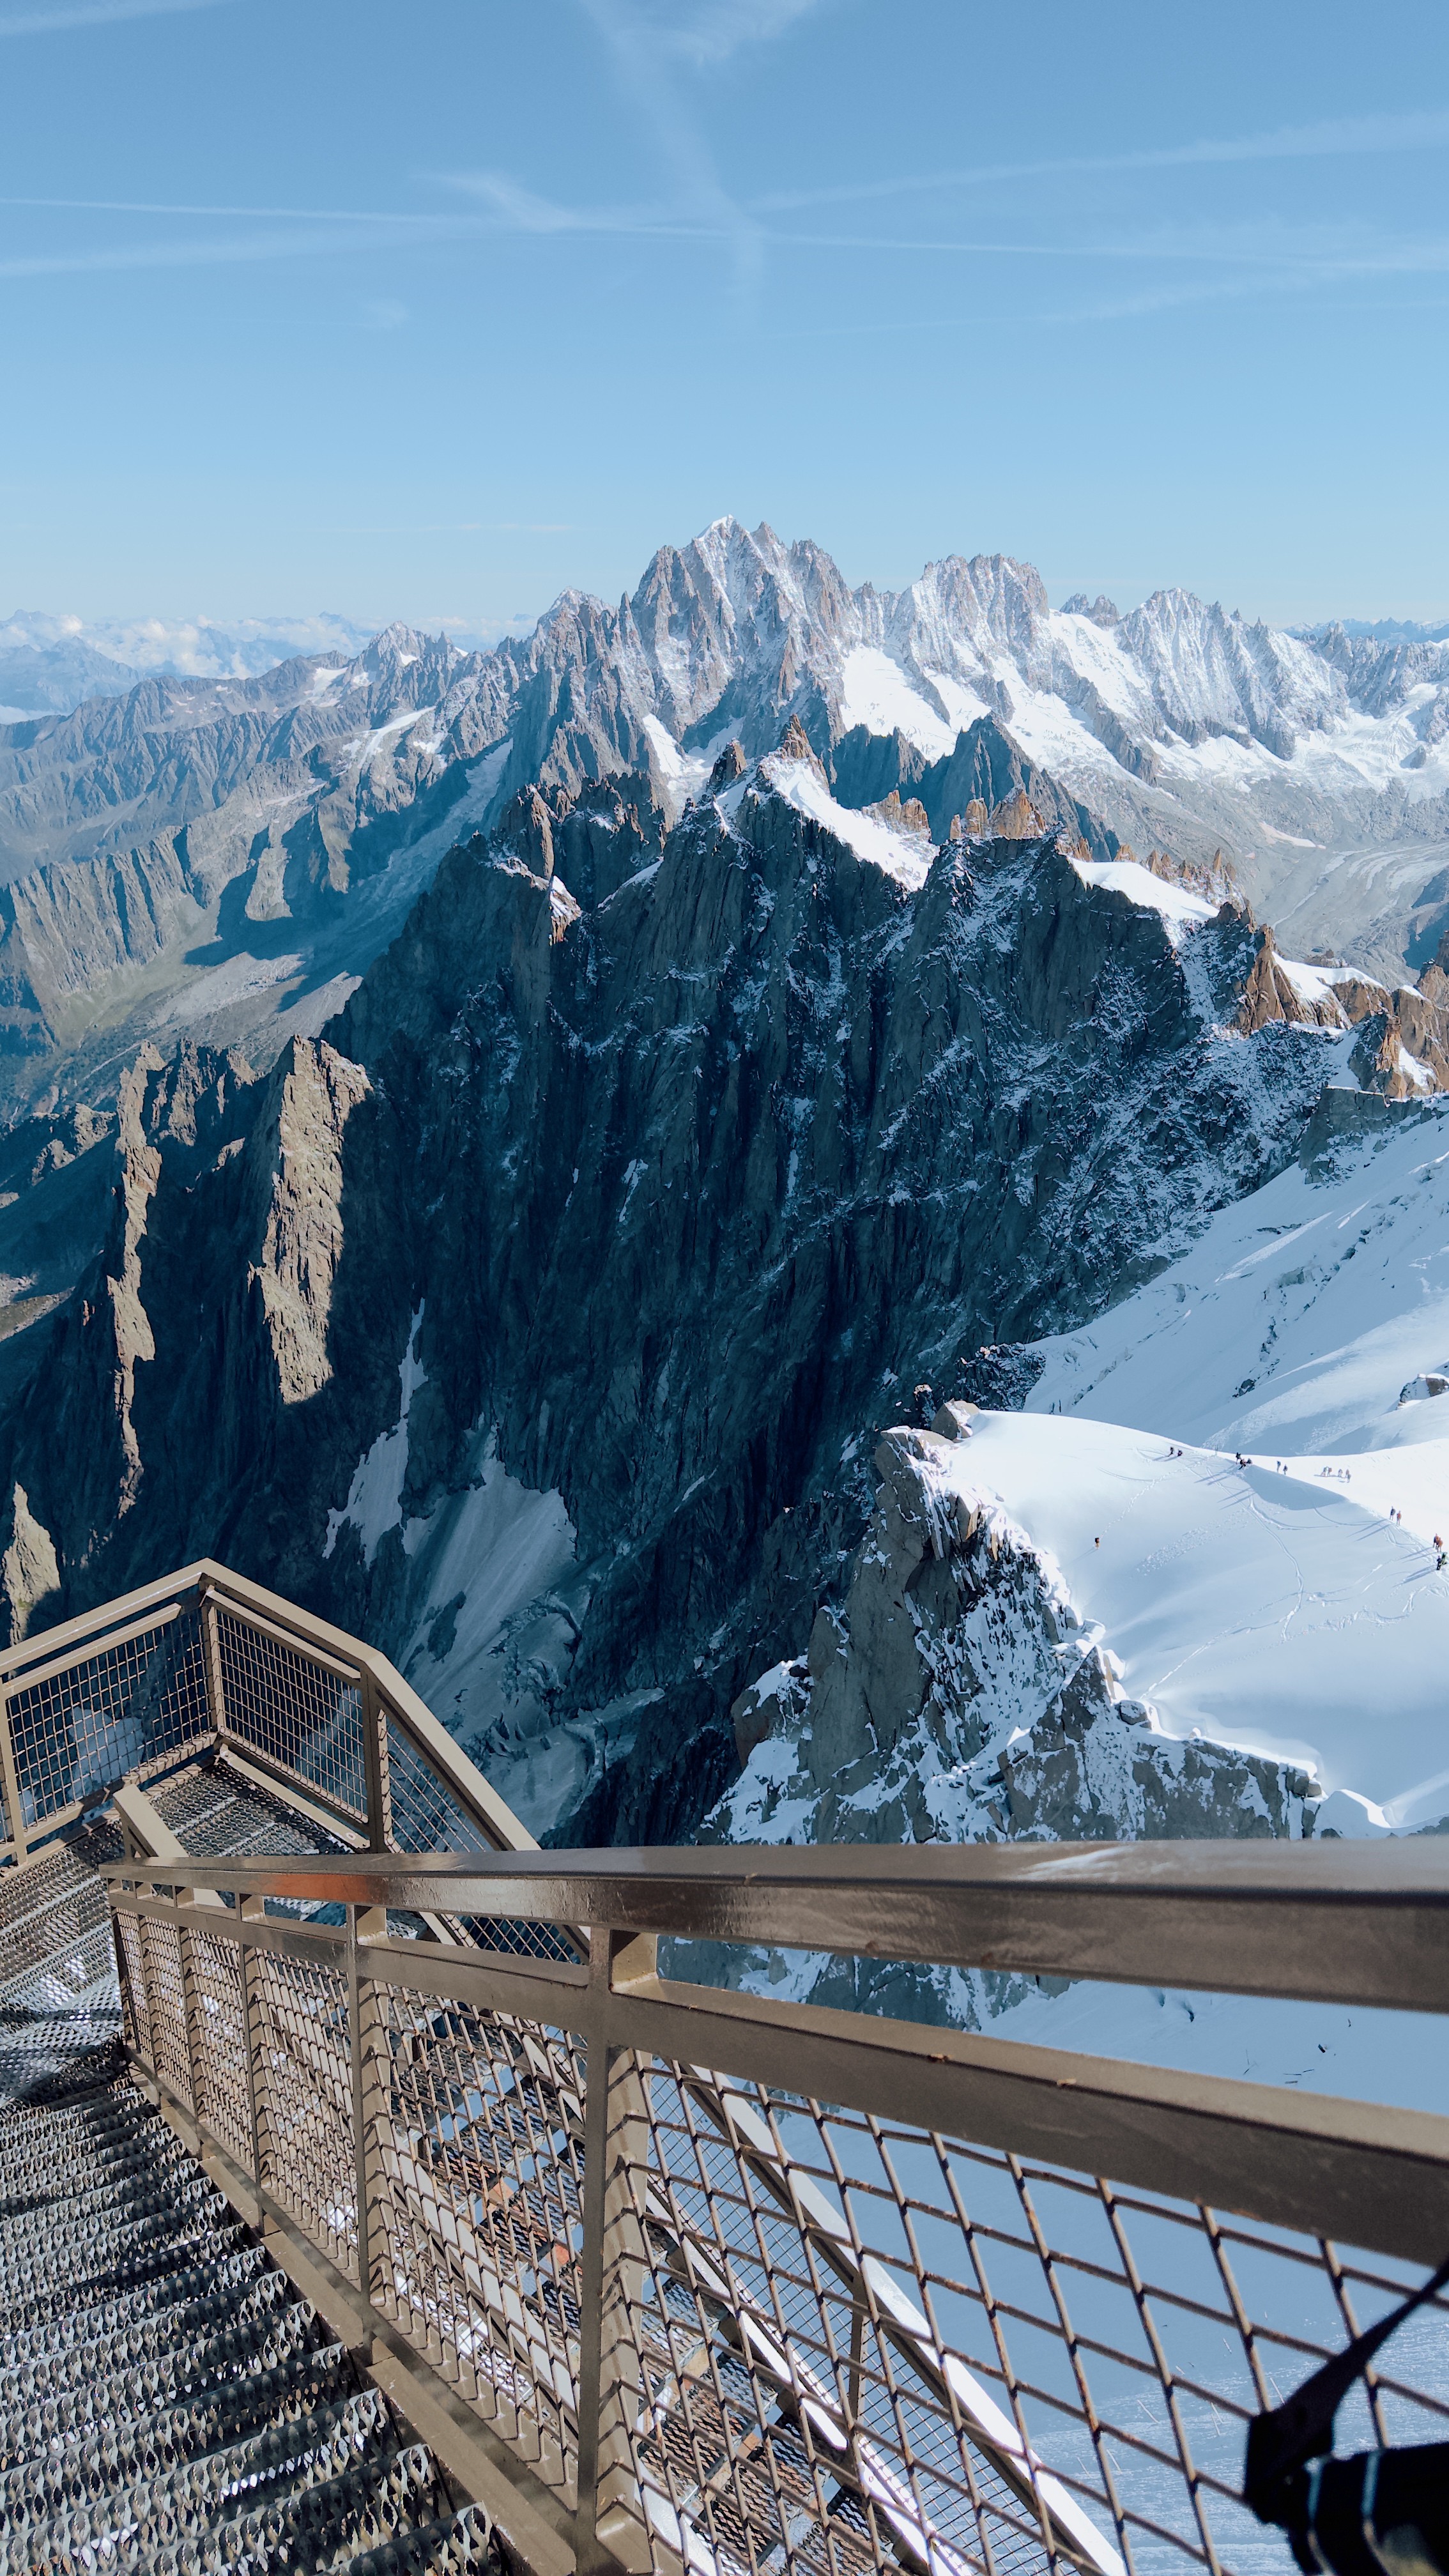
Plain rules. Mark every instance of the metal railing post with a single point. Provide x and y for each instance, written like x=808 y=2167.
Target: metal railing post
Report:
x=148 y=1982
x=182 y=1900
x=361 y=2016
x=610 y=2529
x=253 y=2025
x=211 y=1658
x=374 y=1754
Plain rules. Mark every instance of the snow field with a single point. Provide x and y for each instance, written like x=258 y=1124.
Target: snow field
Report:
x=1268 y=1611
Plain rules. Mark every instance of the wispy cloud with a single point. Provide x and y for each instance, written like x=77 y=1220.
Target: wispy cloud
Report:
x=709 y=31
x=65 y=14
x=220 y=251
x=1279 y=250
x=520 y=210
x=640 y=42
x=253 y=214
x=1424 y=130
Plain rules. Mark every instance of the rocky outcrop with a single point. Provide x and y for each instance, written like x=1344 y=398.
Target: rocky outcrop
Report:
x=29 y=1574
x=1017 y=819
x=540 y=1306
x=985 y=771
x=1402 y=1048
x=957 y=1695
x=1270 y=994
x=910 y=816
x=301 y=1150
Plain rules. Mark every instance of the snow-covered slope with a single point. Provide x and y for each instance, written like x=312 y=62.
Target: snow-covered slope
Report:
x=1063 y=1629
x=1285 y=1614
x=1294 y=1327
x=1199 y=1585
x=1235 y=1487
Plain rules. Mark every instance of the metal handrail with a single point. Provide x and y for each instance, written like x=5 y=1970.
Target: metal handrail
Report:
x=209 y=1589
x=429 y=2027
x=1377 y=2176
x=1335 y=1922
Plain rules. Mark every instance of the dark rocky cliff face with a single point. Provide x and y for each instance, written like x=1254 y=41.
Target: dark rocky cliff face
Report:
x=536 y=1320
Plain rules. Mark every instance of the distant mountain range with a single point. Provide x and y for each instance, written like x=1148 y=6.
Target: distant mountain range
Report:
x=1387 y=630
x=224 y=851
x=49 y=665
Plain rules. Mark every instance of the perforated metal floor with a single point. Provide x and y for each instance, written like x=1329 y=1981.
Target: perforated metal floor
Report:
x=168 y=2402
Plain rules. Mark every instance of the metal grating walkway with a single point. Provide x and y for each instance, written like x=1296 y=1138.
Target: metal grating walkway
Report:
x=167 y=2402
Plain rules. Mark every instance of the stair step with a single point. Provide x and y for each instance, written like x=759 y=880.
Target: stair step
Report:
x=147 y=2265
x=132 y=2392
x=194 y=2497
x=323 y=2523
x=71 y=2330
x=141 y=2207
x=169 y=2404
x=188 y=2327
x=149 y=2446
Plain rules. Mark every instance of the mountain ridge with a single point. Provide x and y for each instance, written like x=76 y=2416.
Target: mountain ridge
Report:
x=317 y=795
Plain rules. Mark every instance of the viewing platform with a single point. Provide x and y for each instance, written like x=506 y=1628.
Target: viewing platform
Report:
x=400 y=2212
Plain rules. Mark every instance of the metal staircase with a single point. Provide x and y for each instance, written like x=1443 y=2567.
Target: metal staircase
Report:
x=369 y=2199
x=166 y=2401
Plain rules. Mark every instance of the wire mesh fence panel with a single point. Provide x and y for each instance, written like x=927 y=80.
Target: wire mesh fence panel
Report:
x=475 y=2124
x=166 y=1997
x=109 y=1712
x=292 y=1710
x=828 y=2341
x=302 y=2057
x=515 y=1936
x=425 y=1816
x=841 y=2341
x=222 y=2093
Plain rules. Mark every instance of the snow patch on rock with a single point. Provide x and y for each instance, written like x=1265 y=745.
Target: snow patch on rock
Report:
x=1182 y=910
x=498 y=1598
x=374 y=1498
x=801 y=783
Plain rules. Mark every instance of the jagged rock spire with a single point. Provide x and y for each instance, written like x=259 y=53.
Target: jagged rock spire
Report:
x=1017 y=819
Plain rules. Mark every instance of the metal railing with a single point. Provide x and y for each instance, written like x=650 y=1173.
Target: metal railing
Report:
x=729 y=2285
x=205 y=1662
x=686 y=2279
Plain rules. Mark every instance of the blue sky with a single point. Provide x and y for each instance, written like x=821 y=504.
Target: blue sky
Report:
x=323 y=303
